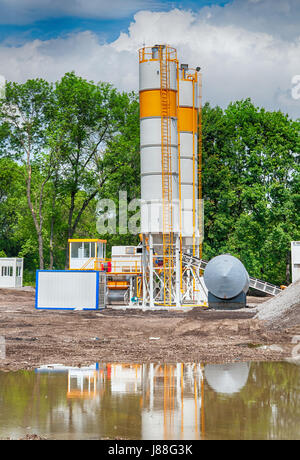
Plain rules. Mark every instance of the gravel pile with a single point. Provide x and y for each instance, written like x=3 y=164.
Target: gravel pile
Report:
x=283 y=305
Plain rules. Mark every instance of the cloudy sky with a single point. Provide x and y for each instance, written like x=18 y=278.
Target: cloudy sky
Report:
x=246 y=48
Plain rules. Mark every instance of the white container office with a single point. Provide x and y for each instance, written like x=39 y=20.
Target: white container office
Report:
x=11 y=272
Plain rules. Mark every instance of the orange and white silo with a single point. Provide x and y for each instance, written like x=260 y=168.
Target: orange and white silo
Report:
x=159 y=139
x=189 y=102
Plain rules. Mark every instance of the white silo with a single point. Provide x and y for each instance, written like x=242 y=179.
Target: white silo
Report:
x=158 y=125
x=158 y=69
x=189 y=104
x=169 y=182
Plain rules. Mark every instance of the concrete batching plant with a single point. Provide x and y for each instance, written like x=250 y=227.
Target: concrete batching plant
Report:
x=171 y=192
x=165 y=269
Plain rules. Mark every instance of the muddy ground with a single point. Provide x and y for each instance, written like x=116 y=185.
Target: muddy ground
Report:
x=35 y=338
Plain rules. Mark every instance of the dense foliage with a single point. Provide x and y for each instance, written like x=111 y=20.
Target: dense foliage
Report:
x=64 y=146
x=251 y=187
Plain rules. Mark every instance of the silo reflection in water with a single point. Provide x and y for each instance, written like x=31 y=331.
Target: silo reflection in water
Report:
x=153 y=401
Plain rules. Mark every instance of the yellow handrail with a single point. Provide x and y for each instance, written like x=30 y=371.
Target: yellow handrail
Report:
x=87 y=263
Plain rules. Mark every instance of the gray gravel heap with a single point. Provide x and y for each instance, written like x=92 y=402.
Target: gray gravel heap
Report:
x=277 y=307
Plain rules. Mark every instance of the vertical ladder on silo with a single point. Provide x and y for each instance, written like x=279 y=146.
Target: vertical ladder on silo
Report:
x=200 y=192
x=166 y=174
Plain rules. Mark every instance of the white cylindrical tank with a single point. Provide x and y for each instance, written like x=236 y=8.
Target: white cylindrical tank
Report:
x=151 y=137
x=188 y=156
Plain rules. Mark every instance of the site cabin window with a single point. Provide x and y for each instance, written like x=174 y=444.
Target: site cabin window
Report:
x=101 y=251
x=82 y=250
x=75 y=247
x=7 y=271
x=19 y=272
x=86 y=251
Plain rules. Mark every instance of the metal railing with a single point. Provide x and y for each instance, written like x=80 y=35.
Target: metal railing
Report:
x=147 y=53
x=126 y=267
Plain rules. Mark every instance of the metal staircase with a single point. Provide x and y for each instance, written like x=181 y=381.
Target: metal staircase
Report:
x=259 y=285
x=263 y=286
x=166 y=175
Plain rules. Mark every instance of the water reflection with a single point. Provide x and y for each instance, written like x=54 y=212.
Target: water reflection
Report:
x=168 y=397
x=153 y=401
x=227 y=378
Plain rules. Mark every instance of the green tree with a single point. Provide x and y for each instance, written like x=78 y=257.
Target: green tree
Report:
x=251 y=168
x=74 y=142
x=24 y=115
x=87 y=130
x=10 y=178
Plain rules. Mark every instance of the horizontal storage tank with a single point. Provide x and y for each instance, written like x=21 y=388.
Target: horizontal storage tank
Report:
x=227 y=282
x=150 y=69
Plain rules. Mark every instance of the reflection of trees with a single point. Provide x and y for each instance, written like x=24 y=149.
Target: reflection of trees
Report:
x=268 y=407
x=40 y=401
x=28 y=398
x=106 y=415
x=120 y=414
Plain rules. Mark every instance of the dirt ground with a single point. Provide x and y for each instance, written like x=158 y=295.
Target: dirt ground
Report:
x=35 y=338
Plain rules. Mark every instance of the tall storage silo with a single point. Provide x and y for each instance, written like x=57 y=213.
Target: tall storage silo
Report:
x=169 y=182
x=159 y=139
x=158 y=72
x=189 y=104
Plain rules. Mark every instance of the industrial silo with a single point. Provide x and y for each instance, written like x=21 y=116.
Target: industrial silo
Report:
x=188 y=124
x=158 y=72
x=159 y=140
x=169 y=179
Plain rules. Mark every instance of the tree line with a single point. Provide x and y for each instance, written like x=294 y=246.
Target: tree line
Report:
x=65 y=145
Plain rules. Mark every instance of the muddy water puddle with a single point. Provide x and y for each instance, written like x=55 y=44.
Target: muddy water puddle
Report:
x=153 y=401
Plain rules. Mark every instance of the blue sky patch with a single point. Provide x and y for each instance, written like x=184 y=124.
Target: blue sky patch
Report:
x=107 y=29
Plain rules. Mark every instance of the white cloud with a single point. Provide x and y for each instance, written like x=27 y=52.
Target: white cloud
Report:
x=81 y=52
x=237 y=62
x=28 y=11
x=277 y=17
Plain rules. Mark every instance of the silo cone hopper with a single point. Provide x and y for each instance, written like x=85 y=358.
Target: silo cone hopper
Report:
x=227 y=282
